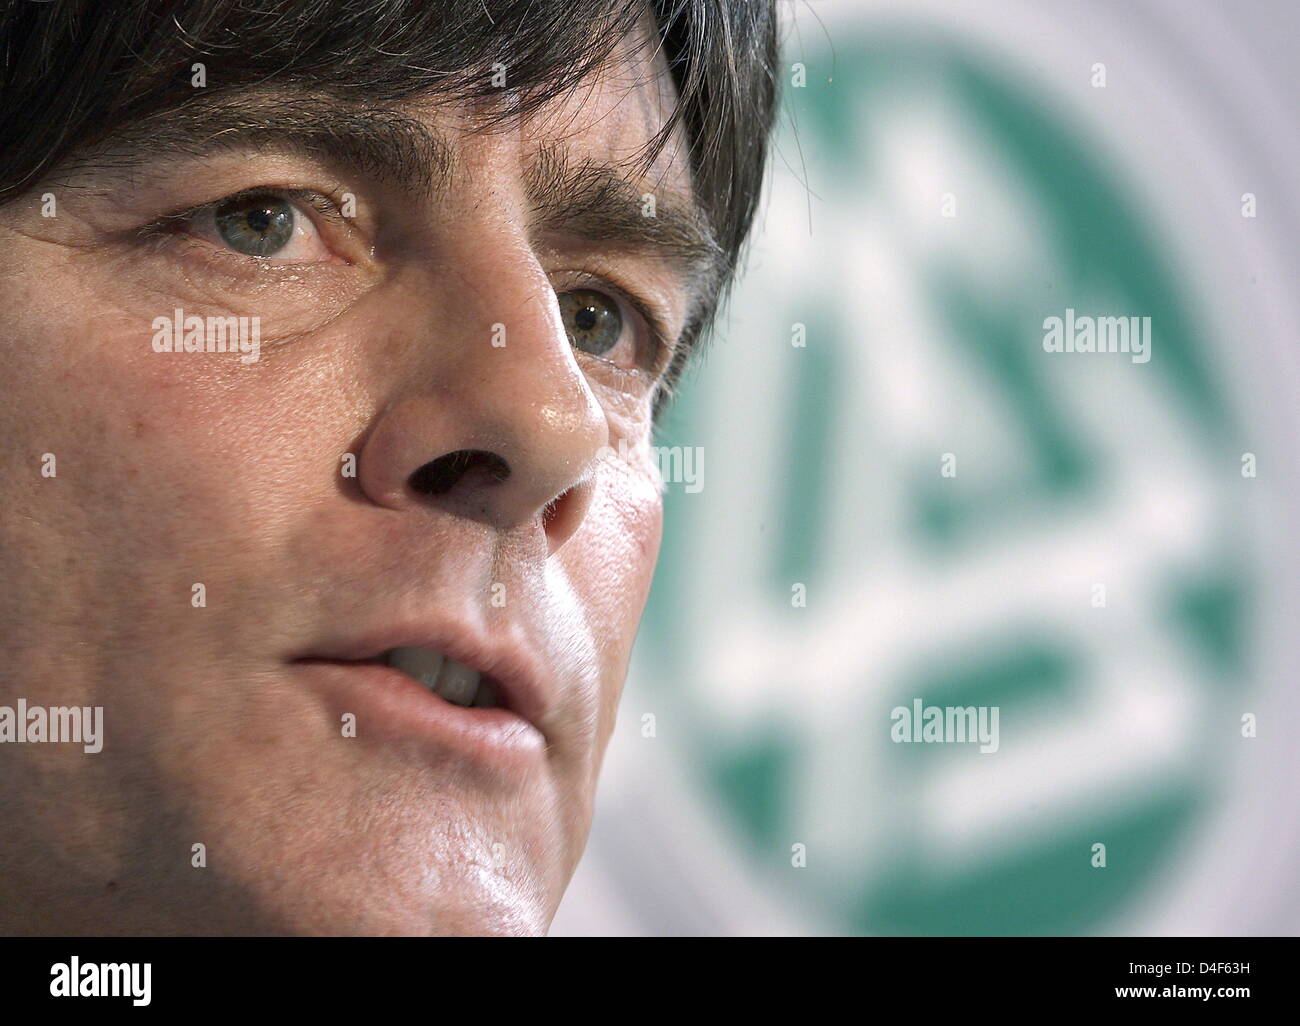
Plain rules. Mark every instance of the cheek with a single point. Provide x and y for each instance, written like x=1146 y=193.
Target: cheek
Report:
x=171 y=468
x=611 y=563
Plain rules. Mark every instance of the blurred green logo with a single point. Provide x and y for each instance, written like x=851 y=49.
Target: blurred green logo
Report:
x=974 y=521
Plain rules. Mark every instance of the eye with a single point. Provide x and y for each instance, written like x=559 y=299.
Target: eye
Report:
x=255 y=225
x=261 y=223
x=592 y=319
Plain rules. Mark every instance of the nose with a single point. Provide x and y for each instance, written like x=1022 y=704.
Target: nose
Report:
x=493 y=420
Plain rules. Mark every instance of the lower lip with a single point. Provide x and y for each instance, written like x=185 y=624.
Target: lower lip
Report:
x=389 y=704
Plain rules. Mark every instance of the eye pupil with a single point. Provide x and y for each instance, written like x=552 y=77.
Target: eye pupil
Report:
x=592 y=319
x=255 y=225
x=259 y=220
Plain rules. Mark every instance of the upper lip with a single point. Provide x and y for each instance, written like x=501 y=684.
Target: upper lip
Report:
x=515 y=672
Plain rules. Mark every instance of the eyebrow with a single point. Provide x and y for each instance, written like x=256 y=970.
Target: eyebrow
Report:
x=382 y=144
x=598 y=203
x=567 y=194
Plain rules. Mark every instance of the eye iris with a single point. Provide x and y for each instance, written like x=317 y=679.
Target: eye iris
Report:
x=255 y=225
x=592 y=320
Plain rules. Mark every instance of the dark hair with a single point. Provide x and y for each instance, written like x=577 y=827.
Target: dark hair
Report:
x=72 y=72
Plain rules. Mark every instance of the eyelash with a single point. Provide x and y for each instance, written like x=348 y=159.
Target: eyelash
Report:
x=167 y=226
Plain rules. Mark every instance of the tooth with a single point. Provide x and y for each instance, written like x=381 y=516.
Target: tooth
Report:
x=457 y=683
x=423 y=664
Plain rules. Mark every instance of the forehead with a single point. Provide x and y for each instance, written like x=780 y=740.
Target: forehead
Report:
x=617 y=112
x=608 y=121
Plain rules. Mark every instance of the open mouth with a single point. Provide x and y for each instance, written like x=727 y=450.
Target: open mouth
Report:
x=489 y=700
x=420 y=691
x=450 y=680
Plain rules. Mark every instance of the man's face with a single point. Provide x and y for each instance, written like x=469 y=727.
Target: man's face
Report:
x=224 y=553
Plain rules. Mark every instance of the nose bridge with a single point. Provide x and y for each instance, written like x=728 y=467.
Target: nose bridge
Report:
x=494 y=420
x=530 y=396
x=527 y=353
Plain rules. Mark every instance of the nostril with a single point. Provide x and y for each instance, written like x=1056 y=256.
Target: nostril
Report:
x=438 y=477
x=562 y=515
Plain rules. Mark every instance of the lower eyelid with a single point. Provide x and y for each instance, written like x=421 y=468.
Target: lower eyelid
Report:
x=196 y=256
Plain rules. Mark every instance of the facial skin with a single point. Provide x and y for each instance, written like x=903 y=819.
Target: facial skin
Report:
x=176 y=469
